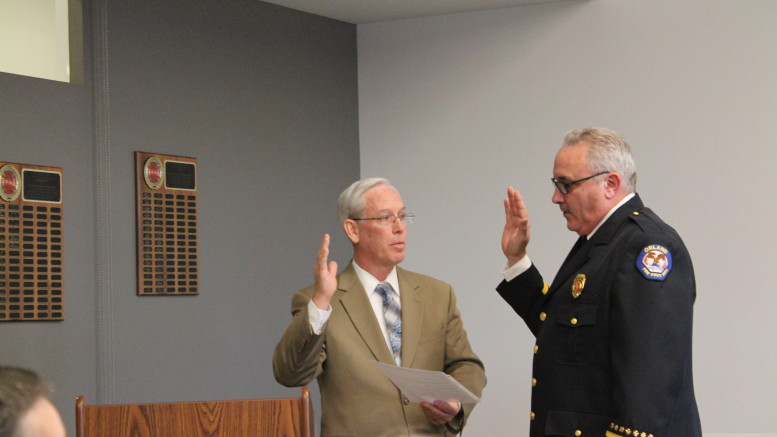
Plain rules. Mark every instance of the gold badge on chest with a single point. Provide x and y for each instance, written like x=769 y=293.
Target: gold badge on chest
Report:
x=577 y=285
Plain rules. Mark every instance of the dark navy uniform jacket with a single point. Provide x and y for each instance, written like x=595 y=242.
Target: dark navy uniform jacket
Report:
x=613 y=350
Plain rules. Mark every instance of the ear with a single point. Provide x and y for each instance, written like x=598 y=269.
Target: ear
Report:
x=612 y=185
x=351 y=229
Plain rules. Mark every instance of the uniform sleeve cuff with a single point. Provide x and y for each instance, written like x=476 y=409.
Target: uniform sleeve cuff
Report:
x=513 y=271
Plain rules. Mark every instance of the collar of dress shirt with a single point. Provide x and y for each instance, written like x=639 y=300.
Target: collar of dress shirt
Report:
x=614 y=208
x=369 y=282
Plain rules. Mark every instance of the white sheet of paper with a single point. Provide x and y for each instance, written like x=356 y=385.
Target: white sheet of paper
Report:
x=426 y=385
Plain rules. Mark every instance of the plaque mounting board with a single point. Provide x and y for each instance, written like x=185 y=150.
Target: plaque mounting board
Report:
x=31 y=243
x=166 y=203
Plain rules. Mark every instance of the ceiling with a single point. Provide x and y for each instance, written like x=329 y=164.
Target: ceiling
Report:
x=373 y=11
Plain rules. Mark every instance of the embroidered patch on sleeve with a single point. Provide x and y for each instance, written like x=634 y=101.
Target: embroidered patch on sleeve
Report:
x=654 y=262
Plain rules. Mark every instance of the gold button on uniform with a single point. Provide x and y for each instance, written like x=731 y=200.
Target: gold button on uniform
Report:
x=532 y=415
x=578 y=433
x=536 y=348
x=573 y=321
x=543 y=316
x=534 y=382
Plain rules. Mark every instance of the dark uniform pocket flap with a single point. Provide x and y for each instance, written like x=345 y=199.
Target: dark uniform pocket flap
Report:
x=575 y=424
x=577 y=315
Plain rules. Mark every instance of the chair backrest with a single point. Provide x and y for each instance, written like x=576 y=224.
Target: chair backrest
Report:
x=282 y=417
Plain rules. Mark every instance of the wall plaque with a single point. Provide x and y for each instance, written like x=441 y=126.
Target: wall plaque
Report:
x=31 y=243
x=166 y=203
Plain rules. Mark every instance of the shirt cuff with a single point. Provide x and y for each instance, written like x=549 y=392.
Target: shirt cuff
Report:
x=318 y=317
x=512 y=272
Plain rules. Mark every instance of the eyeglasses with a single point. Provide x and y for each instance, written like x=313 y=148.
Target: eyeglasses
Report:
x=388 y=220
x=564 y=187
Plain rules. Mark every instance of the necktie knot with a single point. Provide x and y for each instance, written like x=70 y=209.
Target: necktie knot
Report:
x=386 y=292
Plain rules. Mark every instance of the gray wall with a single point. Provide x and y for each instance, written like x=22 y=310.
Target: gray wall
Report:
x=454 y=109
x=49 y=123
x=266 y=99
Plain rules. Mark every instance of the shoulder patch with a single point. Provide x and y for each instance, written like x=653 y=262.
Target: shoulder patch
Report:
x=654 y=262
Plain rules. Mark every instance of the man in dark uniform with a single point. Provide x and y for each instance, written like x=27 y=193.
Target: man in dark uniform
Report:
x=613 y=330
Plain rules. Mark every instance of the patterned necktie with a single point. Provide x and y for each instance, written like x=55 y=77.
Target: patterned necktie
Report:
x=392 y=315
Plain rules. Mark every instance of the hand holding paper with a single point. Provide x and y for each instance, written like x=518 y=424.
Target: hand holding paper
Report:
x=426 y=385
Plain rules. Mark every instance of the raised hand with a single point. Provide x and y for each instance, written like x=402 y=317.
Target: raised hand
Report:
x=325 y=274
x=515 y=236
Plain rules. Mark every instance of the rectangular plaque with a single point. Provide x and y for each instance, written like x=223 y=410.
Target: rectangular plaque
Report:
x=180 y=175
x=166 y=203
x=31 y=243
x=42 y=186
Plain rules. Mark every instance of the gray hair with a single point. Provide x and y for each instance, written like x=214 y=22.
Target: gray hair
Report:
x=351 y=203
x=607 y=151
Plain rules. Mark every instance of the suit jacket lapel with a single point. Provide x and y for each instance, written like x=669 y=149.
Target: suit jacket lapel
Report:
x=359 y=310
x=412 y=316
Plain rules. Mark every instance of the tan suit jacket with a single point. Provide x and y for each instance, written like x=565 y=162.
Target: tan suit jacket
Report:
x=356 y=399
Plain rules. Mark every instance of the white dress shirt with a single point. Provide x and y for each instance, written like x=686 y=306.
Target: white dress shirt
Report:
x=318 y=317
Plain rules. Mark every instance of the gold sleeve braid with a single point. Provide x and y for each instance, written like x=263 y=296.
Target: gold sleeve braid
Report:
x=622 y=431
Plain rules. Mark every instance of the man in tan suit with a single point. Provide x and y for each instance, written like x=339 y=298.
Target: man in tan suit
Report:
x=339 y=328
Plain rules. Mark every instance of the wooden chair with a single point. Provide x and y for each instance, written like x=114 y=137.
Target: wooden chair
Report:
x=283 y=417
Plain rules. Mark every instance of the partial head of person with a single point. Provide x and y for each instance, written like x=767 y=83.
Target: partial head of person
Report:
x=25 y=408
x=375 y=221
x=593 y=172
